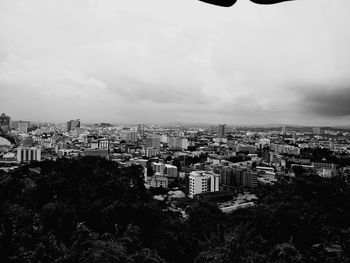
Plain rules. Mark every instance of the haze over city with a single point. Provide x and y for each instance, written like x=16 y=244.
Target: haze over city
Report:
x=179 y=60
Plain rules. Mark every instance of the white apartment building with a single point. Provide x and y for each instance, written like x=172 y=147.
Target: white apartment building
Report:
x=178 y=142
x=202 y=181
x=158 y=167
x=28 y=154
x=158 y=180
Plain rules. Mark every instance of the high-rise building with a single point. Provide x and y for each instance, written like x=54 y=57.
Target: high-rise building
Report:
x=22 y=127
x=128 y=136
x=202 y=182
x=153 y=142
x=170 y=170
x=103 y=144
x=222 y=131
x=158 y=167
x=72 y=124
x=178 y=143
x=250 y=179
x=151 y=152
x=5 y=122
x=226 y=176
x=28 y=154
x=141 y=129
x=164 y=138
x=283 y=131
x=316 y=130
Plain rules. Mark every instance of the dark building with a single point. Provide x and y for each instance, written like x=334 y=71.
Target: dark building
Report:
x=105 y=125
x=222 y=131
x=5 y=122
x=226 y=176
x=250 y=179
x=72 y=124
x=141 y=129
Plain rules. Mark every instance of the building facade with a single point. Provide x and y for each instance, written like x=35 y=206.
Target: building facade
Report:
x=5 y=122
x=202 y=182
x=128 y=136
x=28 y=154
x=72 y=124
x=178 y=143
x=22 y=127
x=153 y=142
x=222 y=131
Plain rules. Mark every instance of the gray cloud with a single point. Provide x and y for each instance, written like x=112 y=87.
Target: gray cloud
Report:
x=173 y=60
x=333 y=102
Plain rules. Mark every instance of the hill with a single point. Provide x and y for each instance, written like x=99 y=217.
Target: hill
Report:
x=92 y=210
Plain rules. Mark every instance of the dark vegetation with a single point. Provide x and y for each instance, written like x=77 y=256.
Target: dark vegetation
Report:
x=7 y=136
x=91 y=210
x=242 y=157
x=325 y=155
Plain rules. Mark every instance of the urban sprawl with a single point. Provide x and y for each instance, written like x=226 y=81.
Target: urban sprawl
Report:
x=183 y=163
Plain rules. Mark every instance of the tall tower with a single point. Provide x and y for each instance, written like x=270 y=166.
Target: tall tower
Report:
x=141 y=129
x=72 y=124
x=316 y=130
x=5 y=122
x=222 y=131
x=22 y=127
x=283 y=130
x=153 y=142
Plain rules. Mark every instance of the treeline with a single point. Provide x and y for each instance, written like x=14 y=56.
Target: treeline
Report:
x=92 y=210
x=7 y=136
x=325 y=155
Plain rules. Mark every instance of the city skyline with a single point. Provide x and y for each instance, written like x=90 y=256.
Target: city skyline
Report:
x=176 y=61
x=170 y=123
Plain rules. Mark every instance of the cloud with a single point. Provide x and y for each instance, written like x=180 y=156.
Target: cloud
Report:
x=330 y=102
x=173 y=60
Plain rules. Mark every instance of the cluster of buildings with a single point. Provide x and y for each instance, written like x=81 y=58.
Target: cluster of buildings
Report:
x=198 y=160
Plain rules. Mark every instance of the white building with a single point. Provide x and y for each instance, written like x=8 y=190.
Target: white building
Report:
x=103 y=144
x=28 y=154
x=178 y=142
x=263 y=142
x=22 y=127
x=158 y=167
x=8 y=155
x=158 y=181
x=283 y=148
x=201 y=182
x=164 y=138
x=151 y=152
x=94 y=144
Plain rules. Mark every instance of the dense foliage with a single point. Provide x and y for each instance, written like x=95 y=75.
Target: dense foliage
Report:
x=8 y=137
x=91 y=210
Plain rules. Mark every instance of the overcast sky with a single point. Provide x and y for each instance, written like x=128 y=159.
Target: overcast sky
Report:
x=175 y=60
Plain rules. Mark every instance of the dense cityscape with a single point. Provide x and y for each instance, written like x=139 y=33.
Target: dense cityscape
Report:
x=204 y=131
x=59 y=180
x=215 y=163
